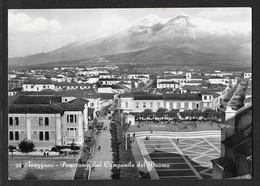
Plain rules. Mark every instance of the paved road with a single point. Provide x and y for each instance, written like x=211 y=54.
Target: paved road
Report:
x=102 y=156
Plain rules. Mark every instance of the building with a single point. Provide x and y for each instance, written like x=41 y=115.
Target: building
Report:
x=14 y=83
x=168 y=84
x=247 y=75
x=14 y=91
x=136 y=75
x=236 y=145
x=217 y=80
x=38 y=85
x=72 y=86
x=47 y=121
x=138 y=103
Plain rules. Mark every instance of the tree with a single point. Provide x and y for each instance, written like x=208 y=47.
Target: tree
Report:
x=161 y=112
x=147 y=113
x=211 y=114
x=26 y=145
x=173 y=113
x=11 y=149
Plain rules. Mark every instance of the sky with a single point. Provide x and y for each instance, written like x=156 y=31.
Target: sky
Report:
x=44 y=30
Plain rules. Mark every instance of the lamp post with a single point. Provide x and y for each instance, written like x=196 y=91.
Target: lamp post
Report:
x=126 y=135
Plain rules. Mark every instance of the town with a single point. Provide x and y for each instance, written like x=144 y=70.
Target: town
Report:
x=193 y=121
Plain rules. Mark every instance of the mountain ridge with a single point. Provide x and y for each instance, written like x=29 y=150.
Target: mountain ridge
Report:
x=192 y=35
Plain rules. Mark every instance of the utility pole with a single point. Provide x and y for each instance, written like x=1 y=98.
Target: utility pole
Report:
x=126 y=141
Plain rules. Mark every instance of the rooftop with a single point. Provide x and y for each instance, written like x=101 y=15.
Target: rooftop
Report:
x=31 y=99
x=41 y=82
x=33 y=109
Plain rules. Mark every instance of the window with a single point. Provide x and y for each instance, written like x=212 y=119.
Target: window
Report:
x=47 y=137
x=205 y=97
x=46 y=121
x=71 y=132
x=137 y=104
x=41 y=136
x=171 y=105
x=11 y=136
x=158 y=104
x=178 y=105
x=44 y=86
x=144 y=105
x=71 y=118
x=186 y=105
x=151 y=104
x=126 y=104
x=11 y=121
x=16 y=136
x=92 y=104
x=16 y=119
x=40 y=121
x=31 y=86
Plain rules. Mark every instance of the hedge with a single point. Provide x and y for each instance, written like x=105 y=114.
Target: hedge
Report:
x=120 y=154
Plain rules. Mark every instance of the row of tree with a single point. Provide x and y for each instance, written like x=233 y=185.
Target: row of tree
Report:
x=175 y=114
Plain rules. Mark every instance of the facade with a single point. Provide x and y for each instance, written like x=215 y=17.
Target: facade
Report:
x=39 y=85
x=236 y=145
x=247 y=75
x=137 y=75
x=217 y=80
x=48 y=123
x=72 y=86
x=168 y=84
x=138 y=103
x=14 y=83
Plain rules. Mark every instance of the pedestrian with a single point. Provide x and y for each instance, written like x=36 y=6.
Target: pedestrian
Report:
x=44 y=154
x=177 y=140
x=99 y=147
x=134 y=134
x=22 y=164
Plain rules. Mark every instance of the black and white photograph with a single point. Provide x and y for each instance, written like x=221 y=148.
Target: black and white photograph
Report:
x=130 y=94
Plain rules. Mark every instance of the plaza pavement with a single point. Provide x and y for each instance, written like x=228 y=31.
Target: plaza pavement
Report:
x=102 y=156
x=188 y=157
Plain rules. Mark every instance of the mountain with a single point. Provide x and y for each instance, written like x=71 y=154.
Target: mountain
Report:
x=153 y=38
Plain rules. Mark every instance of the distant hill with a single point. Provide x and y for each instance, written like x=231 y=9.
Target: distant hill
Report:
x=181 y=39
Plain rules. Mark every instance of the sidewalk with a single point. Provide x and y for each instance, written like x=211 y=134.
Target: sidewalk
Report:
x=102 y=158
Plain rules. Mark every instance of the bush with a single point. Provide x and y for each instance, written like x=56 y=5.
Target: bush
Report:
x=26 y=145
x=11 y=148
x=54 y=149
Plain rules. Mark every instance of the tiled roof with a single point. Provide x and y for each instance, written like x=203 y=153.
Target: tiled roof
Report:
x=148 y=97
x=41 y=82
x=125 y=95
x=36 y=99
x=182 y=96
x=33 y=109
x=216 y=77
x=72 y=84
x=74 y=93
x=168 y=82
x=17 y=89
x=110 y=79
x=41 y=93
x=107 y=95
x=80 y=103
